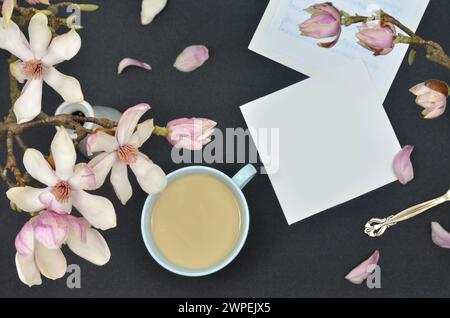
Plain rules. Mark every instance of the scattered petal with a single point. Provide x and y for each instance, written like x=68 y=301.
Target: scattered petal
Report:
x=403 y=167
x=192 y=58
x=150 y=9
x=364 y=270
x=127 y=62
x=439 y=235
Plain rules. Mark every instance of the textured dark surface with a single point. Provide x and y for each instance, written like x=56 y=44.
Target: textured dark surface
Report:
x=310 y=258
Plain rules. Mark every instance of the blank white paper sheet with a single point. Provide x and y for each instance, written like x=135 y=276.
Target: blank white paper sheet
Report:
x=279 y=39
x=335 y=140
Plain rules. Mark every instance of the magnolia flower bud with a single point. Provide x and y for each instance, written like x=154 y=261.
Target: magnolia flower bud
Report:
x=377 y=36
x=150 y=9
x=325 y=22
x=432 y=96
x=190 y=134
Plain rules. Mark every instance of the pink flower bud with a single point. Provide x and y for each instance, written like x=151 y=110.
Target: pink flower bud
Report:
x=190 y=134
x=377 y=36
x=325 y=22
x=192 y=58
x=432 y=96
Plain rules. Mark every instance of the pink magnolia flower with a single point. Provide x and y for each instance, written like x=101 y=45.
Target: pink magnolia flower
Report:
x=325 y=22
x=190 y=133
x=432 y=96
x=364 y=270
x=377 y=36
x=65 y=186
x=122 y=150
x=192 y=58
x=39 y=243
x=36 y=64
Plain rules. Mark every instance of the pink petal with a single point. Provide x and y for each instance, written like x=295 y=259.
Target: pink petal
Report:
x=64 y=154
x=25 y=240
x=49 y=200
x=29 y=104
x=77 y=228
x=100 y=142
x=51 y=230
x=120 y=182
x=439 y=235
x=128 y=122
x=127 y=62
x=192 y=58
x=364 y=270
x=150 y=177
x=101 y=166
x=39 y=168
x=26 y=198
x=97 y=210
x=403 y=167
x=434 y=113
x=420 y=89
x=28 y=271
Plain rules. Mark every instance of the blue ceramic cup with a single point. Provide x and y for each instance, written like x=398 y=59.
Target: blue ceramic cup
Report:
x=236 y=184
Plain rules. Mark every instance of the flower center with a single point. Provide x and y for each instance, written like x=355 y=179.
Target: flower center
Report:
x=33 y=69
x=61 y=191
x=128 y=154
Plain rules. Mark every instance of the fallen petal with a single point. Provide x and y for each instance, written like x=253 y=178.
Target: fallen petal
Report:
x=439 y=235
x=364 y=270
x=127 y=62
x=192 y=58
x=150 y=9
x=403 y=167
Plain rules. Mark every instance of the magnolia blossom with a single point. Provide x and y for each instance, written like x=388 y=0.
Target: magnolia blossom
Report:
x=432 y=96
x=190 y=133
x=377 y=36
x=37 y=59
x=122 y=150
x=39 y=246
x=65 y=186
x=325 y=22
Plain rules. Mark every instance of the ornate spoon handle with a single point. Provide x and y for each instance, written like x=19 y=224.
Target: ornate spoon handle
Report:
x=377 y=227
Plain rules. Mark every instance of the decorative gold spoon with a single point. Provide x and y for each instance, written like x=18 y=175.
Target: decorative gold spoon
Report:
x=377 y=227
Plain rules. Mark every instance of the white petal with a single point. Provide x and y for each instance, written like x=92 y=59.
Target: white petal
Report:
x=64 y=154
x=15 y=69
x=143 y=133
x=29 y=104
x=97 y=210
x=67 y=86
x=52 y=204
x=101 y=142
x=150 y=9
x=40 y=35
x=128 y=122
x=28 y=271
x=151 y=178
x=101 y=166
x=26 y=198
x=39 y=168
x=83 y=178
x=63 y=48
x=13 y=40
x=94 y=249
x=51 y=263
x=120 y=181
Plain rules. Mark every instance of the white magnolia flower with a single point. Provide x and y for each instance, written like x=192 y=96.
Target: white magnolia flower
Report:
x=122 y=151
x=65 y=186
x=37 y=59
x=39 y=243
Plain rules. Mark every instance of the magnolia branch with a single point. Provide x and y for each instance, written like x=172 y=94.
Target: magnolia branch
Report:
x=434 y=51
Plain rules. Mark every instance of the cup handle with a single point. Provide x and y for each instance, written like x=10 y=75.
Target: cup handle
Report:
x=244 y=176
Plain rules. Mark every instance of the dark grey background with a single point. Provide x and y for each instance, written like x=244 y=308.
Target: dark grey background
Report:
x=310 y=258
